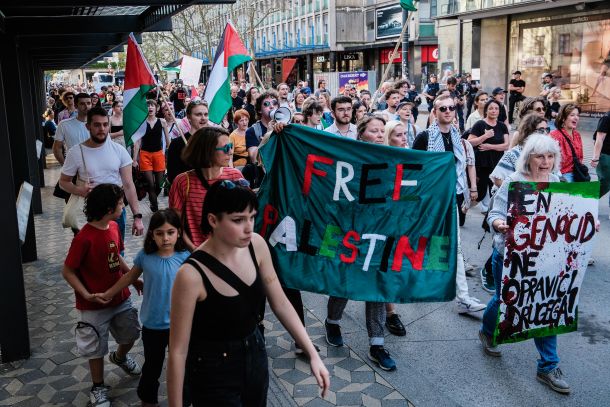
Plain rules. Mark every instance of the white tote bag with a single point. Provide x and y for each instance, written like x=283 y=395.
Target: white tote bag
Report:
x=74 y=215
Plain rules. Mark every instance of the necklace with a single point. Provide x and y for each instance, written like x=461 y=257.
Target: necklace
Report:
x=446 y=138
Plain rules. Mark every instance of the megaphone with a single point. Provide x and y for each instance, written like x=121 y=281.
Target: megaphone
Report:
x=281 y=115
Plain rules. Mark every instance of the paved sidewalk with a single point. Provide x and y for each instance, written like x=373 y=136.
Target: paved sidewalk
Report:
x=55 y=375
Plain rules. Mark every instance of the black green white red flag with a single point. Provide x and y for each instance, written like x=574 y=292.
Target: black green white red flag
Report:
x=230 y=54
x=139 y=80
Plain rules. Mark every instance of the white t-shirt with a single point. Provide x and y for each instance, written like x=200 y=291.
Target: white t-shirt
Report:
x=103 y=163
x=352 y=131
x=71 y=132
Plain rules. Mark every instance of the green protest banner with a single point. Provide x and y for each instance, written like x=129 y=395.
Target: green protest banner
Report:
x=548 y=245
x=358 y=220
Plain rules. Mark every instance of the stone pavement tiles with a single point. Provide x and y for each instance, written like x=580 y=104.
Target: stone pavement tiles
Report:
x=56 y=375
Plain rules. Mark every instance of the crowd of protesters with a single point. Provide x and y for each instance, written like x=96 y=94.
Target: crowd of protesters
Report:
x=204 y=249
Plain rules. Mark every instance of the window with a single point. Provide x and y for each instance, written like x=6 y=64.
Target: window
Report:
x=432 y=8
x=564 y=44
x=539 y=45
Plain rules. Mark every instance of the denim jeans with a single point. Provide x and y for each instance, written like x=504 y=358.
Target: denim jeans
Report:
x=229 y=373
x=121 y=221
x=375 y=315
x=547 y=346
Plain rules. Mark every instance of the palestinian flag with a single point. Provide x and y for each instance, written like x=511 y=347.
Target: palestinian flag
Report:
x=139 y=80
x=407 y=5
x=230 y=54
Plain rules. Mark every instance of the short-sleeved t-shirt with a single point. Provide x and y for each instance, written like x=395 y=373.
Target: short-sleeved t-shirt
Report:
x=251 y=139
x=517 y=83
x=103 y=163
x=159 y=274
x=179 y=198
x=603 y=126
x=490 y=158
x=94 y=255
x=71 y=132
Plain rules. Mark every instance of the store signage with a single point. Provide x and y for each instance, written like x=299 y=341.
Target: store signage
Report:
x=388 y=21
x=352 y=56
x=384 y=56
x=429 y=53
x=320 y=58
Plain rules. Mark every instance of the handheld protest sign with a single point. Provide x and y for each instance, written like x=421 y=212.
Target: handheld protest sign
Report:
x=358 y=220
x=548 y=245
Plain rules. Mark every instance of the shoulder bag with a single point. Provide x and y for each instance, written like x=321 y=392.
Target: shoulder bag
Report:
x=73 y=215
x=580 y=172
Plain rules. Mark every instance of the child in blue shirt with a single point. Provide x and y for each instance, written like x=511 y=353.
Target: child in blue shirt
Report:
x=159 y=261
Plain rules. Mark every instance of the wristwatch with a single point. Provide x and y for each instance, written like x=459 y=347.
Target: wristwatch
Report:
x=137 y=216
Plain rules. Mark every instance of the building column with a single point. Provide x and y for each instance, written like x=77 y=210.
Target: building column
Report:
x=309 y=71
x=332 y=58
x=14 y=334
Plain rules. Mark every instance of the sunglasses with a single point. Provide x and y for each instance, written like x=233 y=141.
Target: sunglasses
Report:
x=232 y=184
x=540 y=109
x=543 y=130
x=445 y=108
x=298 y=121
x=226 y=148
x=267 y=103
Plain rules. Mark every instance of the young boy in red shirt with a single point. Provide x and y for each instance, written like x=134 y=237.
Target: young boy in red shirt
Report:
x=92 y=266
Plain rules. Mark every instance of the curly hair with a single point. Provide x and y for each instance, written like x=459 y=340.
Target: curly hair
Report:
x=102 y=201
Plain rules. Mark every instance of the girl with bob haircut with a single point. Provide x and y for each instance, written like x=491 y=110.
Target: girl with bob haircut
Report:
x=538 y=161
x=215 y=311
x=208 y=152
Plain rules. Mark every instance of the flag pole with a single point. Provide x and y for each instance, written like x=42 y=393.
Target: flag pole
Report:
x=384 y=77
x=164 y=100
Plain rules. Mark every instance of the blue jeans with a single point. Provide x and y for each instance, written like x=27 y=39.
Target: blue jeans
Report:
x=547 y=346
x=121 y=221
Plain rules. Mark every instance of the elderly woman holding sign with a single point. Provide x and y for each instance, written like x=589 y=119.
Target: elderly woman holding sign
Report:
x=539 y=160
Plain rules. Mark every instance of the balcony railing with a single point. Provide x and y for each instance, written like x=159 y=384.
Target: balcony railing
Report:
x=453 y=7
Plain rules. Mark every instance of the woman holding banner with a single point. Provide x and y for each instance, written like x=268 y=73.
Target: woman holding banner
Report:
x=538 y=161
x=370 y=130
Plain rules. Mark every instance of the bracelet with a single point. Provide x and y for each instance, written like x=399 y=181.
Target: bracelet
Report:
x=137 y=216
x=594 y=160
x=474 y=190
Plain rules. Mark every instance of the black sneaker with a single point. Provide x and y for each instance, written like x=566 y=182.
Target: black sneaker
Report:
x=333 y=334
x=379 y=355
x=487 y=280
x=394 y=325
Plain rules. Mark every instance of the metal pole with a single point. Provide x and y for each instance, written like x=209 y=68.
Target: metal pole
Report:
x=405 y=45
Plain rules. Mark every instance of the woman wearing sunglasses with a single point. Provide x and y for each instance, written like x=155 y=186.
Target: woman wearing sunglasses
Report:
x=489 y=138
x=216 y=301
x=209 y=153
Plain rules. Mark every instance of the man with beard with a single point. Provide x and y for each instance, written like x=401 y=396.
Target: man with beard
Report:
x=98 y=160
x=72 y=131
x=341 y=108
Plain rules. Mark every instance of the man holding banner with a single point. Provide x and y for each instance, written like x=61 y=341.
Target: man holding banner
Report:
x=443 y=136
x=543 y=234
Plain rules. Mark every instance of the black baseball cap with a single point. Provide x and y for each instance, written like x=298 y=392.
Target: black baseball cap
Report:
x=497 y=91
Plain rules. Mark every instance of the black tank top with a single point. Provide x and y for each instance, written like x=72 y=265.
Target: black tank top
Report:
x=114 y=129
x=222 y=318
x=153 y=138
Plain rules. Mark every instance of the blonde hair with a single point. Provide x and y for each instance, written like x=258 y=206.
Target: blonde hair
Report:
x=389 y=128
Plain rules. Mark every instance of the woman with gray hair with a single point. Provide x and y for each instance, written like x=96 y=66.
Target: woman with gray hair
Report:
x=538 y=162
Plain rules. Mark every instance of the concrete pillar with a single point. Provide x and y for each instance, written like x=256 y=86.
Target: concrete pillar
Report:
x=495 y=43
x=14 y=334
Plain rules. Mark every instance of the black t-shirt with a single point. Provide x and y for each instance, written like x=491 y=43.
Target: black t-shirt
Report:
x=517 y=83
x=489 y=158
x=603 y=126
x=175 y=165
x=238 y=103
x=503 y=115
x=421 y=141
x=178 y=98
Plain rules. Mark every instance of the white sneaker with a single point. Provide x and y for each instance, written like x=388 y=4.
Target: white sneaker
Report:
x=591 y=261
x=469 y=304
x=98 y=397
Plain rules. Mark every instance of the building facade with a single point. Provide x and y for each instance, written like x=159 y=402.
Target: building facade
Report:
x=566 y=38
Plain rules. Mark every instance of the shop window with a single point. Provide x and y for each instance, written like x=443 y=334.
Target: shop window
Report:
x=564 y=44
x=539 y=45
